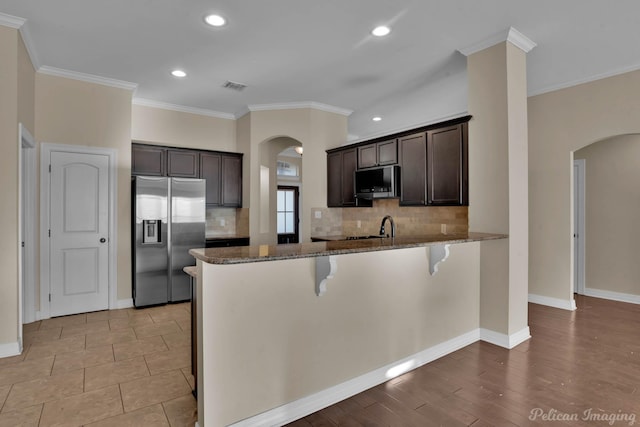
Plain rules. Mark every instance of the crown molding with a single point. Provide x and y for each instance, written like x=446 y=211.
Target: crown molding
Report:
x=583 y=80
x=520 y=41
x=357 y=138
x=89 y=78
x=293 y=106
x=28 y=44
x=183 y=109
x=21 y=25
x=11 y=21
x=511 y=35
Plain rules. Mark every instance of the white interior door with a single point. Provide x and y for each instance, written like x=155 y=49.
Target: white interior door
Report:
x=579 y=226
x=79 y=226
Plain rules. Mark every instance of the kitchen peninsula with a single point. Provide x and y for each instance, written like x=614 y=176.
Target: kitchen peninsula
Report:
x=282 y=333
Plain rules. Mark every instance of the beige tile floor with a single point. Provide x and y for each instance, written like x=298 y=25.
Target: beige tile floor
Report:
x=129 y=367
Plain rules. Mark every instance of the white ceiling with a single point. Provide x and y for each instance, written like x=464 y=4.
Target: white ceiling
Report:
x=321 y=51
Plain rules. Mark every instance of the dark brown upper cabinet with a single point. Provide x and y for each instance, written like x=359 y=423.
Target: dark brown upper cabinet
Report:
x=223 y=172
x=413 y=164
x=447 y=166
x=148 y=160
x=231 y=180
x=211 y=170
x=183 y=163
x=433 y=160
x=341 y=166
x=378 y=154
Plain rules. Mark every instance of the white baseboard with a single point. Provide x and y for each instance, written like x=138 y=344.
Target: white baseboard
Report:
x=553 y=302
x=503 y=340
x=10 y=349
x=315 y=402
x=310 y=404
x=125 y=303
x=615 y=296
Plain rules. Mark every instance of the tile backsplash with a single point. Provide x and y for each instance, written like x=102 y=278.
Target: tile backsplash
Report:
x=410 y=220
x=227 y=222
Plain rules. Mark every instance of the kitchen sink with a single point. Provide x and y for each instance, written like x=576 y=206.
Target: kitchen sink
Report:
x=371 y=236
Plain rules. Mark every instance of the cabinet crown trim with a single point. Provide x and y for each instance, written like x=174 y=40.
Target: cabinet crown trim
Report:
x=445 y=123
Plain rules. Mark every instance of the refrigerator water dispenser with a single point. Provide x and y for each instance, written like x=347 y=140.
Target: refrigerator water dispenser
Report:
x=151 y=230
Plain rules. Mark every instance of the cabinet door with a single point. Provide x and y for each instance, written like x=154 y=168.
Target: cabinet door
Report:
x=387 y=152
x=413 y=163
x=183 y=163
x=149 y=161
x=334 y=179
x=349 y=165
x=340 y=186
x=445 y=166
x=231 y=181
x=210 y=169
x=367 y=156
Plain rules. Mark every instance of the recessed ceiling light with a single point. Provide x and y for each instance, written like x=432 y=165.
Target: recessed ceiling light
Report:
x=178 y=73
x=377 y=118
x=215 y=20
x=381 y=31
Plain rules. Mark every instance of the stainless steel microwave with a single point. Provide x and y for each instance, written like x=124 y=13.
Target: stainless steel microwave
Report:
x=377 y=183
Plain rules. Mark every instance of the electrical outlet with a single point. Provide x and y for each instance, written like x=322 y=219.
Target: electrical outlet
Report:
x=222 y=222
x=318 y=214
x=443 y=228
x=358 y=223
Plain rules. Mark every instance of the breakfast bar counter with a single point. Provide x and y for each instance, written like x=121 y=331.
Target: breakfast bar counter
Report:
x=286 y=330
x=335 y=245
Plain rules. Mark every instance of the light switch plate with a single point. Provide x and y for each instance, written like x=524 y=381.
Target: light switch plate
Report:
x=318 y=214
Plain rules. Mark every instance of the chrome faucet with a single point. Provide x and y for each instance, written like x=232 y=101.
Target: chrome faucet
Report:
x=393 y=226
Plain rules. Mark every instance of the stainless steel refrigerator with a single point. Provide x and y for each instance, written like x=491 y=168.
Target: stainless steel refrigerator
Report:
x=168 y=219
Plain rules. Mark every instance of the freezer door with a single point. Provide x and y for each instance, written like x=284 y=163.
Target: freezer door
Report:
x=187 y=232
x=150 y=237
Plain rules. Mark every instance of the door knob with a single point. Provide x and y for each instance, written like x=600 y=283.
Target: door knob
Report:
x=102 y=240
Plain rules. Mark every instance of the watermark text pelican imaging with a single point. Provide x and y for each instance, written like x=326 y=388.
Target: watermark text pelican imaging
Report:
x=588 y=415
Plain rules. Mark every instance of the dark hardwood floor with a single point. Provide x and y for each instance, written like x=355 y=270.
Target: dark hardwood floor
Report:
x=579 y=368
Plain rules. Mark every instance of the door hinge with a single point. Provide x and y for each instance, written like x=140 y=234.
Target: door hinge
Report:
x=49 y=297
x=49 y=168
x=49 y=233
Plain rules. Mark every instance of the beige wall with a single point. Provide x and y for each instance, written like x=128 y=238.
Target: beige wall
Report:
x=79 y=113
x=178 y=129
x=611 y=214
x=288 y=343
x=561 y=122
x=26 y=88
x=498 y=184
x=9 y=93
x=317 y=131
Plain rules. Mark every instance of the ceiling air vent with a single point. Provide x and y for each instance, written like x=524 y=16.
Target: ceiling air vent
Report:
x=234 y=85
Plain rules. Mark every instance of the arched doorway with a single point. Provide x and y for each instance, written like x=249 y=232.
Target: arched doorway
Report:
x=611 y=209
x=280 y=166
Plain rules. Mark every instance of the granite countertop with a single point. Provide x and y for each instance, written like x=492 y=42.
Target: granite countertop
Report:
x=224 y=237
x=247 y=254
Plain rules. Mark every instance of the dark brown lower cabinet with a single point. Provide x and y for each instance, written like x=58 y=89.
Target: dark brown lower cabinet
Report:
x=194 y=337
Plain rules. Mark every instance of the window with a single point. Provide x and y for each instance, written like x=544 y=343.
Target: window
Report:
x=286 y=211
